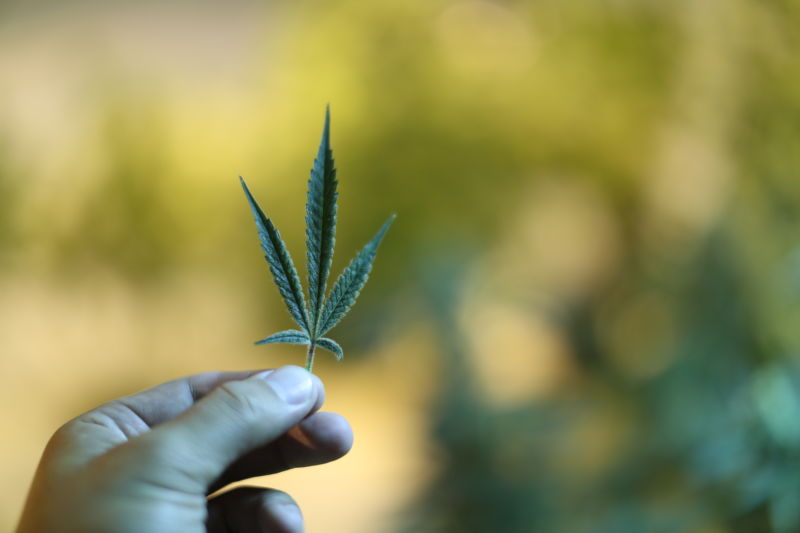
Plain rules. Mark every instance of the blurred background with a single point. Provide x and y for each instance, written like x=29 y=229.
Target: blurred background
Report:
x=585 y=319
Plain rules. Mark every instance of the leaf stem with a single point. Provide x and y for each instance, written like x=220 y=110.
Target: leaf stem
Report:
x=310 y=356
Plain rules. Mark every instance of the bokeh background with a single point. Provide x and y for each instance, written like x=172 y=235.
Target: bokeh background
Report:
x=585 y=319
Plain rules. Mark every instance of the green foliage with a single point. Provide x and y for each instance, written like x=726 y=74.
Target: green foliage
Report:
x=293 y=336
x=321 y=315
x=332 y=346
x=348 y=286
x=280 y=263
x=320 y=224
x=290 y=336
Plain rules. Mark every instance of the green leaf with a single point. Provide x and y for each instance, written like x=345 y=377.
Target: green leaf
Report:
x=280 y=263
x=290 y=336
x=331 y=346
x=320 y=224
x=350 y=282
x=321 y=208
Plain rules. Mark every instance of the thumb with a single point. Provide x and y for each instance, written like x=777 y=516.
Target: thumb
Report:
x=191 y=451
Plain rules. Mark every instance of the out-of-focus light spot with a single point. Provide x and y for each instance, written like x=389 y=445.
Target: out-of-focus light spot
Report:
x=563 y=238
x=518 y=356
x=689 y=183
x=483 y=38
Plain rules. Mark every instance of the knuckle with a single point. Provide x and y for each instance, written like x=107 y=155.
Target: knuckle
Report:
x=243 y=399
x=63 y=436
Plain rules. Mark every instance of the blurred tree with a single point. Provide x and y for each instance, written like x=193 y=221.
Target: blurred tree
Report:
x=126 y=221
x=708 y=440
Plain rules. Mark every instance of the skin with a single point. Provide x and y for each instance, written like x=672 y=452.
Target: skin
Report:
x=148 y=462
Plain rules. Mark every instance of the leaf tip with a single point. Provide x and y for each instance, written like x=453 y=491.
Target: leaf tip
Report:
x=326 y=130
x=385 y=228
x=245 y=188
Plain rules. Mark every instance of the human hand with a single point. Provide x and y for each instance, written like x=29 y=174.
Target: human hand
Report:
x=147 y=462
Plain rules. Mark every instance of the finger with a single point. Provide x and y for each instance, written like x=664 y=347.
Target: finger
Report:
x=164 y=402
x=191 y=451
x=254 y=510
x=319 y=439
x=118 y=421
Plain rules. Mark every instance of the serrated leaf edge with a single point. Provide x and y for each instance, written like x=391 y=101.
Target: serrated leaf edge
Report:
x=330 y=345
x=320 y=219
x=350 y=282
x=280 y=262
x=289 y=336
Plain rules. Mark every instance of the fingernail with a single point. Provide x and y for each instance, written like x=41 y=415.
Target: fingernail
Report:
x=292 y=384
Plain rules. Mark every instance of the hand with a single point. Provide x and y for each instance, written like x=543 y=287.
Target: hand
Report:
x=148 y=462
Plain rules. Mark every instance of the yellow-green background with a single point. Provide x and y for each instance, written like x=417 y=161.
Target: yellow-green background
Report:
x=584 y=319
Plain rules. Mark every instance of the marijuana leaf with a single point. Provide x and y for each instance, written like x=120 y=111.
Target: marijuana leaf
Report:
x=320 y=224
x=290 y=336
x=351 y=281
x=331 y=346
x=322 y=314
x=280 y=263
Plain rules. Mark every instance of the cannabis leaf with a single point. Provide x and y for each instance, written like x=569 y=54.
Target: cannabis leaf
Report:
x=350 y=282
x=320 y=224
x=290 y=336
x=280 y=263
x=322 y=314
